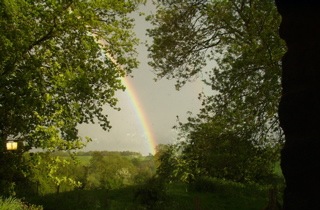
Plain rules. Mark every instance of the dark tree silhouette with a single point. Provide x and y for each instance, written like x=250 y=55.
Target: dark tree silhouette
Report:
x=299 y=108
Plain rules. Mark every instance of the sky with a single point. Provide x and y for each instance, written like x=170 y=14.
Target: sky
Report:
x=149 y=109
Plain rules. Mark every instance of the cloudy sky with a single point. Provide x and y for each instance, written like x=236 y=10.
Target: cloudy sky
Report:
x=159 y=102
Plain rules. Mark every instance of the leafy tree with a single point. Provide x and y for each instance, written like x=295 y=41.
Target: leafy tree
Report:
x=95 y=171
x=166 y=161
x=145 y=169
x=54 y=72
x=239 y=39
x=152 y=194
x=109 y=172
x=10 y=176
x=172 y=166
x=50 y=173
x=209 y=151
x=235 y=44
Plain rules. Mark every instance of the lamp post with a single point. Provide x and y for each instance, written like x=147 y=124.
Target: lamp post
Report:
x=12 y=145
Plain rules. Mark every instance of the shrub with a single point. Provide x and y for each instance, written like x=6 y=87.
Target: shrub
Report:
x=212 y=184
x=12 y=203
x=152 y=194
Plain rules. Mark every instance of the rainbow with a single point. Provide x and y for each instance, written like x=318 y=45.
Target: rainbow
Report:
x=135 y=102
x=140 y=114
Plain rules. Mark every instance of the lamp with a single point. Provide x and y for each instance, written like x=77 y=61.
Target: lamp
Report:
x=11 y=145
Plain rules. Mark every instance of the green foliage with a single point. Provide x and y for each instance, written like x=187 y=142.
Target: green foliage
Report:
x=12 y=203
x=109 y=172
x=77 y=199
x=145 y=169
x=13 y=172
x=223 y=157
x=155 y=193
x=226 y=196
x=152 y=194
x=227 y=155
x=50 y=173
x=166 y=161
x=57 y=70
x=235 y=44
x=204 y=184
x=171 y=166
x=212 y=184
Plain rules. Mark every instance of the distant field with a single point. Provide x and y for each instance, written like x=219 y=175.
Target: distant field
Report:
x=84 y=160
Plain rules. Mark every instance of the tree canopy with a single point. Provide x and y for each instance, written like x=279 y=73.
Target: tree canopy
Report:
x=54 y=72
x=236 y=47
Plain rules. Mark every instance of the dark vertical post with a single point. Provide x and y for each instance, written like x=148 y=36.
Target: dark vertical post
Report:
x=299 y=108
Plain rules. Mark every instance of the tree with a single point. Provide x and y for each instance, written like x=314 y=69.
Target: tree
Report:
x=54 y=72
x=109 y=172
x=299 y=105
x=239 y=39
x=167 y=160
x=210 y=151
x=235 y=44
x=50 y=173
x=145 y=168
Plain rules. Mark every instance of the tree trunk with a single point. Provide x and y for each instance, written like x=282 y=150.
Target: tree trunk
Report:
x=299 y=108
x=58 y=189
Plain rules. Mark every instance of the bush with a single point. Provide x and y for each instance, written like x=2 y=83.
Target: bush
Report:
x=214 y=185
x=152 y=194
x=12 y=203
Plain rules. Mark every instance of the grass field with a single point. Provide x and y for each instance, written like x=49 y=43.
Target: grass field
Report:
x=84 y=160
x=225 y=197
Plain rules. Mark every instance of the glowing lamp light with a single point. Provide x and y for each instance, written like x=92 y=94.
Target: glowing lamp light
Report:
x=11 y=145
